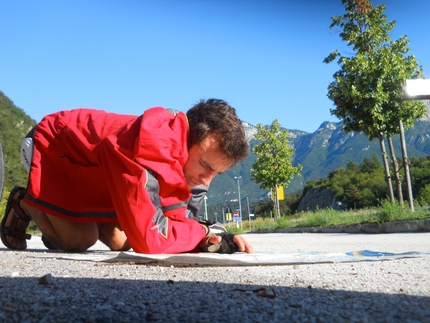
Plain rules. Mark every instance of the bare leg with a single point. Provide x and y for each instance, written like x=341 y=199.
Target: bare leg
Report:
x=112 y=235
x=72 y=236
x=65 y=234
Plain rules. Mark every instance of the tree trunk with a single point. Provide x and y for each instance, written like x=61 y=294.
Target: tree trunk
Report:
x=396 y=170
x=386 y=167
x=276 y=206
x=406 y=166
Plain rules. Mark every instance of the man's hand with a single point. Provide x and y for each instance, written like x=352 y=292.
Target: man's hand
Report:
x=243 y=245
x=224 y=243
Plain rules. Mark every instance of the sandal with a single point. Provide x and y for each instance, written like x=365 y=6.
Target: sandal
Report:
x=14 y=210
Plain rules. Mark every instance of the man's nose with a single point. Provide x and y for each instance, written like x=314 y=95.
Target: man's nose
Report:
x=207 y=177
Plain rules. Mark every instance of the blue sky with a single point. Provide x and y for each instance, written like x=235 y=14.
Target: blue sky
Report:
x=263 y=57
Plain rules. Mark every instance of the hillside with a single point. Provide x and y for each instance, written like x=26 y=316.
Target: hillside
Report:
x=14 y=126
x=329 y=148
x=319 y=152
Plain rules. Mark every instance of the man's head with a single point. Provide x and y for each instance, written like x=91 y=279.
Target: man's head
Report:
x=216 y=142
x=217 y=118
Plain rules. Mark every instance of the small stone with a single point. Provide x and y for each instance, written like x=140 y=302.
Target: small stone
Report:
x=46 y=280
x=149 y=316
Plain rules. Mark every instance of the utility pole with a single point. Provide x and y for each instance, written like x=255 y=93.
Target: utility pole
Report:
x=249 y=213
x=240 y=204
x=406 y=166
x=415 y=89
x=206 y=208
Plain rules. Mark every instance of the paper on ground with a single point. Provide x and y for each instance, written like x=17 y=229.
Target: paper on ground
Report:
x=238 y=259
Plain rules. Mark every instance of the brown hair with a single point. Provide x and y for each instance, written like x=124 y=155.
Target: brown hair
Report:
x=215 y=116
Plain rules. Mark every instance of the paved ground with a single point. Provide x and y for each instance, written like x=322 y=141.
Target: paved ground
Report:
x=82 y=291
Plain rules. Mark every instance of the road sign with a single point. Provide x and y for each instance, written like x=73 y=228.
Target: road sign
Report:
x=236 y=216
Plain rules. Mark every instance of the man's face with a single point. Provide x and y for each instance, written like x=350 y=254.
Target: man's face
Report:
x=205 y=161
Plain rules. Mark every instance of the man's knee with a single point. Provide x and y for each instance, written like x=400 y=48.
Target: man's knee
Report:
x=112 y=235
x=78 y=245
x=77 y=237
x=120 y=247
x=116 y=244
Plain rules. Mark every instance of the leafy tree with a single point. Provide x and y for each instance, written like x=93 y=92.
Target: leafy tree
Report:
x=357 y=186
x=288 y=206
x=273 y=166
x=339 y=182
x=370 y=165
x=367 y=90
x=420 y=174
x=361 y=186
x=290 y=203
x=423 y=195
x=351 y=166
x=263 y=208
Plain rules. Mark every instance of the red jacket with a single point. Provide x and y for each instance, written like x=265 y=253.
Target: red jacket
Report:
x=94 y=166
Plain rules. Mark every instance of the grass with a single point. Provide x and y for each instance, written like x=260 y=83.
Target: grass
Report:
x=387 y=212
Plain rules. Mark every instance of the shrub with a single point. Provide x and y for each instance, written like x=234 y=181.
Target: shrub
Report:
x=391 y=211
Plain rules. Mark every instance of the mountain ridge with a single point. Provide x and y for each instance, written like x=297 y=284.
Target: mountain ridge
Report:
x=329 y=148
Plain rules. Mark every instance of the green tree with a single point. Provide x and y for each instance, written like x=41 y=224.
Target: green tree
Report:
x=420 y=174
x=423 y=195
x=263 y=208
x=290 y=203
x=370 y=165
x=273 y=166
x=367 y=90
x=357 y=186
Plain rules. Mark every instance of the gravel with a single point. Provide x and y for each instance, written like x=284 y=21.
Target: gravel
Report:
x=57 y=290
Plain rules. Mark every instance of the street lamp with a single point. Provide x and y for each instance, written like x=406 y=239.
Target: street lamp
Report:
x=249 y=213
x=416 y=89
x=240 y=204
x=230 y=217
x=206 y=208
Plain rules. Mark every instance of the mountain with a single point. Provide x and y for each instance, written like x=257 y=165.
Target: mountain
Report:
x=329 y=148
x=320 y=152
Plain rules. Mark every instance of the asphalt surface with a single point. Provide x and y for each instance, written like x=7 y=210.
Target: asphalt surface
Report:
x=35 y=289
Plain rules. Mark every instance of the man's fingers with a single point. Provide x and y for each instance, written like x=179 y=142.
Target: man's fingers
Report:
x=239 y=241
x=212 y=243
x=248 y=247
x=215 y=239
x=210 y=239
x=243 y=245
